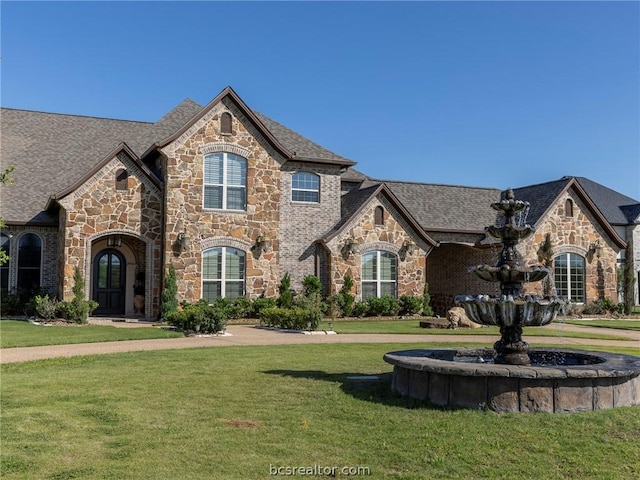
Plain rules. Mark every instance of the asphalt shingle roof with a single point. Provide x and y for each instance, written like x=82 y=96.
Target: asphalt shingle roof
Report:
x=447 y=207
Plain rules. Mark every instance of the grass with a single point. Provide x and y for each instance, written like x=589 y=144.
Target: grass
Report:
x=616 y=324
x=412 y=327
x=19 y=333
x=238 y=412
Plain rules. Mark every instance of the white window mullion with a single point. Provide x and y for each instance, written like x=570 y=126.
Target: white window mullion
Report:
x=224 y=187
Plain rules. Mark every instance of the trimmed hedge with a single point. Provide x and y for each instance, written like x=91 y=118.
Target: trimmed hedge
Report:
x=291 y=318
x=199 y=317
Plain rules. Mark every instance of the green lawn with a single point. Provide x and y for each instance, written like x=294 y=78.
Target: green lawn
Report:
x=619 y=324
x=412 y=327
x=241 y=412
x=18 y=333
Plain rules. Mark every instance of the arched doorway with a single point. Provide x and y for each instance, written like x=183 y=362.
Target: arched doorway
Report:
x=109 y=280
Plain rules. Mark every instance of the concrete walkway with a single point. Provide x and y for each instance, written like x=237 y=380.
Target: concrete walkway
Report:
x=244 y=335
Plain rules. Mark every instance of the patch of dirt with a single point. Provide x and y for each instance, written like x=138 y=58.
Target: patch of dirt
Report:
x=242 y=423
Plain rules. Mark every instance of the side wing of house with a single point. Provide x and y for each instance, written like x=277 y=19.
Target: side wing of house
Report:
x=110 y=228
x=584 y=245
x=379 y=245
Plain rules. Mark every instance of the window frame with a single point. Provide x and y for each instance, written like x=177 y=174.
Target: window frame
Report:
x=302 y=190
x=378 y=281
x=570 y=283
x=223 y=280
x=225 y=185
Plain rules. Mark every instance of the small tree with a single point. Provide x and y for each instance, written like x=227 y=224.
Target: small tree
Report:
x=628 y=283
x=169 y=299
x=427 y=311
x=78 y=309
x=347 y=298
x=545 y=255
x=285 y=300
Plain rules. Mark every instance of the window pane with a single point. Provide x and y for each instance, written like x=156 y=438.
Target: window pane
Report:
x=387 y=266
x=234 y=290
x=212 y=264
x=103 y=265
x=388 y=288
x=213 y=169
x=305 y=196
x=235 y=264
x=369 y=266
x=115 y=271
x=369 y=289
x=29 y=251
x=235 y=198
x=307 y=181
x=211 y=291
x=236 y=170
x=212 y=197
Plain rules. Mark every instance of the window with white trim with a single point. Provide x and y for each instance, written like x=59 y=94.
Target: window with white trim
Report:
x=225 y=181
x=223 y=273
x=569 y=276
x=305 y=187
x=379 y=274
x=29 y=262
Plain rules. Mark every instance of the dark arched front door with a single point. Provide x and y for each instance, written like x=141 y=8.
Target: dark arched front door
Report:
x=109 y=268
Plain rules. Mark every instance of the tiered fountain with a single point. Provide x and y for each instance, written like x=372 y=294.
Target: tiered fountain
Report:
x=512 y=377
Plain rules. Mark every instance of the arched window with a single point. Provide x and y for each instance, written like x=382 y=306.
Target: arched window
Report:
x=225 y=124
x=29 y=262
x=5 y=242
x=569 y=276
x=225 y=181
x=379 y=215
x=568 y=208
x=305 y=187
x=379 y=274
x=223 y=273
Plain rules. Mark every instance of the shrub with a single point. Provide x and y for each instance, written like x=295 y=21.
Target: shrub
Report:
x=45 y=306
x=78 y=309
x=386 y=305
x=169 y=298
x=260 y=304
x=241 y=308
x=291 y=318
x=360 y=309
x=199 y=317
x=410 y=305
x=285 y=299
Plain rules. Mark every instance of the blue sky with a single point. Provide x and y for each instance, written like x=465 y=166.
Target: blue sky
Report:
x=490 y=94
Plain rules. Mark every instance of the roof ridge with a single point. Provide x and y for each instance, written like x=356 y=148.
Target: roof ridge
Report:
x=434 y=184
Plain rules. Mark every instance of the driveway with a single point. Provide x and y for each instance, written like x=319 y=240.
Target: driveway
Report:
x=245 y=335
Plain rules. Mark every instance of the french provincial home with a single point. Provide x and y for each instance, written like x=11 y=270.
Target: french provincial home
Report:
x=234 y=200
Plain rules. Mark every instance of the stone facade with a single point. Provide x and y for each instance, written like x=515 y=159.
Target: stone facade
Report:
x=98 y=210
x=367 y=237
x=576 y=234
x=208 y=228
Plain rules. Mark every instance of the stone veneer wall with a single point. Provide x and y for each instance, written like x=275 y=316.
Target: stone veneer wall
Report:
x=371 y=237
x=574 y=235
x=303 y=223
x=208 y=228
x=48 y=272
x=96 y=210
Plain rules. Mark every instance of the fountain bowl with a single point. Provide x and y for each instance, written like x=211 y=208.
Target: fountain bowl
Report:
x=506 y=310
x=556 y=381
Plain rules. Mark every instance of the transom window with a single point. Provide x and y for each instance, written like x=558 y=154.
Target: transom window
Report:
x=223 y=273
x=569 y=270
x=29 y=261
x=305 y=187
x=379 y=274
x=225 y=181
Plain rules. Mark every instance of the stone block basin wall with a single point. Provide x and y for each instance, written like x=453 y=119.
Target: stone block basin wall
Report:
x=597 y=381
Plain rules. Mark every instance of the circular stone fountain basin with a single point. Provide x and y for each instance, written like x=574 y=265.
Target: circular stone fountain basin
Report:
x=556 y=381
